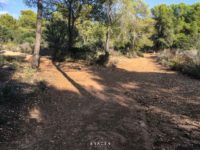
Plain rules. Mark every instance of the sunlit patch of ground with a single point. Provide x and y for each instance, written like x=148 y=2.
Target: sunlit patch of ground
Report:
x=35 y=114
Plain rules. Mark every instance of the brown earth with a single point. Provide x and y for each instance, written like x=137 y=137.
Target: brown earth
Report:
x=135 y=105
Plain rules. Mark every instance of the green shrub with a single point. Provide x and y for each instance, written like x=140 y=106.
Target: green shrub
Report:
x=5 y=34
x=26 y=47
x=22 y=35
x=103 y=59
x=84 y=53
x=193 y=71
x=187 y=62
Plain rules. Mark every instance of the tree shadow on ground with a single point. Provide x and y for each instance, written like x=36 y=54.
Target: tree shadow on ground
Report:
x=36 y=116
x=169 y=101
x=48 y=118
x=16 y=100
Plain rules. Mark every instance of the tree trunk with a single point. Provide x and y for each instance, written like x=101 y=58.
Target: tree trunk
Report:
x=70 y=28
x=36 y=53
x=108 y=40
x=109 y=26
x=69 y=34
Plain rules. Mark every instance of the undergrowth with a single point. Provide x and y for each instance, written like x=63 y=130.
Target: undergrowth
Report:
x=186 y=62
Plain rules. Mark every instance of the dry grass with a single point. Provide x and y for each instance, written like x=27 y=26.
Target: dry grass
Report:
x=187 y=62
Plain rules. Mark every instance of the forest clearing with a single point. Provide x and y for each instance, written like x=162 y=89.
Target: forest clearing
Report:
x=137 y=104
x=99 y=75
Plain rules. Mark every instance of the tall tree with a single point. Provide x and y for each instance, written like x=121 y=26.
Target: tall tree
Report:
x=109 y=4
x=27 y=19
x=177 y=26
x=56 y=35
x=106 y=12
x=72 y=10
x=36 y=52
x=8 y=21
x=8 y=27
x=135 y=27
x=110 y=8
x=164 y=36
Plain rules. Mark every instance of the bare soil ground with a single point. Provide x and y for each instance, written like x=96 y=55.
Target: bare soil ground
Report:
x=135 y=105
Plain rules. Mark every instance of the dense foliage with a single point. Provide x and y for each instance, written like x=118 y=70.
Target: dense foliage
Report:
x=106 y=25
x=177 y=26
x=18 y=33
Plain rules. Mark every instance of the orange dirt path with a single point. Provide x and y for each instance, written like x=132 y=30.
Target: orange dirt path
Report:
x=137 y=105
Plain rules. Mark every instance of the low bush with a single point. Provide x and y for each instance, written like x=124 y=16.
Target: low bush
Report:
x=11 y=46
x=187 y=62
x=103 y=59
x=26 y=48
x=5 y=34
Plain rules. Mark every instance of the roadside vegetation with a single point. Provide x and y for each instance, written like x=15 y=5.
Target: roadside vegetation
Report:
x=186 y=62
x=177 y=37
x=18 y=34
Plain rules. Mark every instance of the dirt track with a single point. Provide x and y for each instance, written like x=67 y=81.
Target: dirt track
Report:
x=137 y=105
